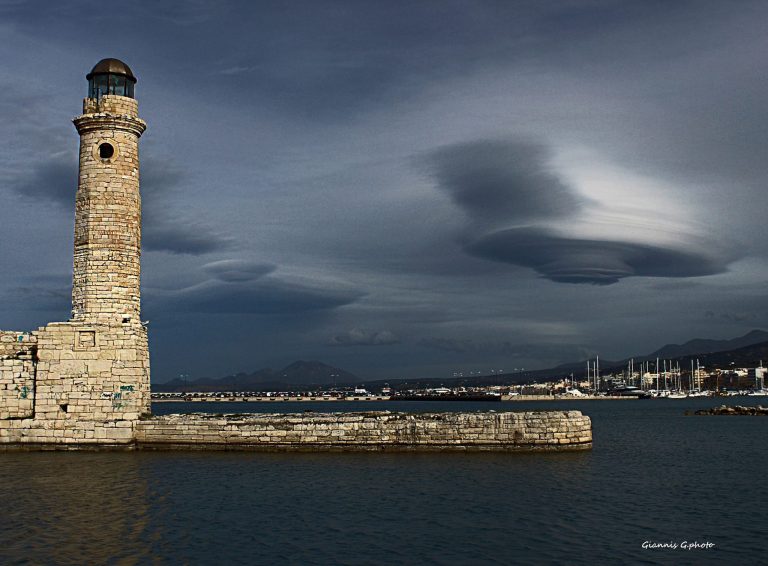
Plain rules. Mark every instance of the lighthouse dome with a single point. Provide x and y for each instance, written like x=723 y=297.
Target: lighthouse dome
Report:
x=110 y=76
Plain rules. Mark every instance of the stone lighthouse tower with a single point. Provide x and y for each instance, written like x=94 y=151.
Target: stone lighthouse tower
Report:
x=95 y=367
x=105 y=286
x=87 y=380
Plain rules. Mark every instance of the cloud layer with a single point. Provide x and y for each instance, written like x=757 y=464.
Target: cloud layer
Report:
x=360 y=337
x=323 y=178
x=508 y=182
x=512 y=184
x=164 y=229
x=576 y=260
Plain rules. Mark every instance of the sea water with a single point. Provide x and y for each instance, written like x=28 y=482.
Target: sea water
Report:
x=656 y=484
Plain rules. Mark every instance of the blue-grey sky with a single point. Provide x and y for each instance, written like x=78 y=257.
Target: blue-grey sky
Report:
x=404 y=189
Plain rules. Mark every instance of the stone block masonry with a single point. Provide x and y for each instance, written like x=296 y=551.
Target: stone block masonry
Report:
x=77 y=382
x=108 y=212
x=17 y=388
x=369 y=431
x=335 y=432
x=16 y=343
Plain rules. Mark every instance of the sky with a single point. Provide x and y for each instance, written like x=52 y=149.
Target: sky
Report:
x=404 y=189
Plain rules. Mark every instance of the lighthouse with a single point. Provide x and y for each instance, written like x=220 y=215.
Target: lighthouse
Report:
x=106 y=274
x=86 y=380
x=94 y=368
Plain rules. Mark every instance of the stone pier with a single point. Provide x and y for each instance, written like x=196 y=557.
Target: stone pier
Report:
x=336 y=432
x=369 y=431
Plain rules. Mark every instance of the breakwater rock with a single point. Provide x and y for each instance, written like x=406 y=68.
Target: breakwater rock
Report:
x=736 y=410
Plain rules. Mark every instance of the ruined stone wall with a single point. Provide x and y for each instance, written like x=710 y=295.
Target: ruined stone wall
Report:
x=17 y=388
x=16 y=343
x=502 y=431
x=108 y=212
x=89 y=385
x=17 y=374
x=92 y=371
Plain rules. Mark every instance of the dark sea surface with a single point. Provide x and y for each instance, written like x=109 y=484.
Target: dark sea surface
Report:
x=654 y=475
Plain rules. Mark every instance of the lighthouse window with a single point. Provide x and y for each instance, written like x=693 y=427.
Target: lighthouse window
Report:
x=106 y=151
x=117 y=85
x=99 y=85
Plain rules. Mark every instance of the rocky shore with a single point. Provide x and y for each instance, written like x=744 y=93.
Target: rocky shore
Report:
x=737 y=410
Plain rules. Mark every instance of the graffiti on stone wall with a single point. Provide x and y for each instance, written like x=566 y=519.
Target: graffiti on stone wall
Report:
x=120 y=398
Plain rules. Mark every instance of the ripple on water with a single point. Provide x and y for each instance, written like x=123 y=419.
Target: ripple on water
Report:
x=653 y=475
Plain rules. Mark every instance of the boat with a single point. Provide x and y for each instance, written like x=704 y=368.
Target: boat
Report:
x=628 y=391
x=572 y=391
x=699 y=394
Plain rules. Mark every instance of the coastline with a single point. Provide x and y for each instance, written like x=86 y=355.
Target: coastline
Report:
x=308 y=399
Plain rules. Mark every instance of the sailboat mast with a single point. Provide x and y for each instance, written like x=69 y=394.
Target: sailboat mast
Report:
x=597 y=371
x=690 y=379
x=698 y=375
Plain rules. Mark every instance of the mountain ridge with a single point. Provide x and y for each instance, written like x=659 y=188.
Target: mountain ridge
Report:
x=748 y=348
x=300 y=372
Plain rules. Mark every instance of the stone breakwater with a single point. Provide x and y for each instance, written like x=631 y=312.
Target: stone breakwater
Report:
x=376 y=430
x=737 y=410
x=364 y=431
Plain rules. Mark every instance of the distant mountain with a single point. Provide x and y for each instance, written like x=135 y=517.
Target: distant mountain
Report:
x=748 y=356
x=298 y=373
x=698 y=347
x=743 y=351
x=704 y=346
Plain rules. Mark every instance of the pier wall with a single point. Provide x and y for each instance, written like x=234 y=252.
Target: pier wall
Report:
x=375 y=430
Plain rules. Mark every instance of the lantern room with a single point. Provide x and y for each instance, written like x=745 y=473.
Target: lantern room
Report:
x=110 y=76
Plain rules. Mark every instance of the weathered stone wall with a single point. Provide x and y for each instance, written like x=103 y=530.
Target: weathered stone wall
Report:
x=17 y=388
x=108 y=212
x=92 y=371
x=17 y=374
x=16 y=343
x=111 y=104
x=502 y=431
x=88 y=384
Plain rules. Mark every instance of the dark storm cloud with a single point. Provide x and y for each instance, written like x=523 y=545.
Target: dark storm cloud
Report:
x=600 y=262
x=255 y=100
x=266 y=296
x=565 y=352
x=55 y=180
x=503 y=182
x=189 y=237
x=510 y=186
x=49 y=293
x=328 y=60
x=361 y=337
x=36 y=298
x=164 y=228
x=232 y=270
